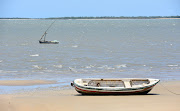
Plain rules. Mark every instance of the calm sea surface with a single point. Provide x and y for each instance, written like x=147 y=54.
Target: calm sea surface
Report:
x=89 y=49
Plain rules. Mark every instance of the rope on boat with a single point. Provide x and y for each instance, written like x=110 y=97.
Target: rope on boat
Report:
x=168 y=89
x=50 y=26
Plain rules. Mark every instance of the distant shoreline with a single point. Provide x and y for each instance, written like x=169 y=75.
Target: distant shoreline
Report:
x=98 y=18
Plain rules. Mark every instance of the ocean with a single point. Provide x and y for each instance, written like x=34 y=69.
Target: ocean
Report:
x=122 y=48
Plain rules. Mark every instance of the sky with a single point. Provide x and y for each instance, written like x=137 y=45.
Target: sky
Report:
x=76 y=8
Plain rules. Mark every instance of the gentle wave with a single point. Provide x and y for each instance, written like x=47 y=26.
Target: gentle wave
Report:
x=24 y=44
x=58 y=66
x=95 y=68
x=173 y=65
x=9 y=71
x=32 y=61
x=35 y=55
x=106 y=67
x=75 y=46
x=38 y=67
x=121 y=66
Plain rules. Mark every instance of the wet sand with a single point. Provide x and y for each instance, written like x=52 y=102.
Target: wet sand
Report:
x=159 y=99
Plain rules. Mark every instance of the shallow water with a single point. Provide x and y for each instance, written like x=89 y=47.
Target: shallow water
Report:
x=145 y=48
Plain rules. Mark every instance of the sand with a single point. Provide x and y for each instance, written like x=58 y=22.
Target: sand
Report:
x=159 y=99
x=24 y=82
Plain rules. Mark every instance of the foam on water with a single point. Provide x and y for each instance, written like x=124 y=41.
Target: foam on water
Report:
x=121 y=65
x=35 y=55
x=58 y=66
x=173 y=65
x=75 y=46
x=38 y=67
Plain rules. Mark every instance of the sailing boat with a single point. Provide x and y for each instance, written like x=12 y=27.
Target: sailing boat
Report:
x=43 y=38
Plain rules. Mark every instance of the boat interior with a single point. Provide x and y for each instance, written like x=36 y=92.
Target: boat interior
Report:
x=123 y=83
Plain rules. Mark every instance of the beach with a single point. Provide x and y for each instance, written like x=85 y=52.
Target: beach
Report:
x=159 y=99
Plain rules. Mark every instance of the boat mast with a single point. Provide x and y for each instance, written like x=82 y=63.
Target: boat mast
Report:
x=44 y=35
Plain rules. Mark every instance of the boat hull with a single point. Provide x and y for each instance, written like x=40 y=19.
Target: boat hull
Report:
x=48 y=42
x=106 y=92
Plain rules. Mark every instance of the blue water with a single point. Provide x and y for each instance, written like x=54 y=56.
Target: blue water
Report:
x=145 y=48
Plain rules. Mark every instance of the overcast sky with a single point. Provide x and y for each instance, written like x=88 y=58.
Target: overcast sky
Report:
x=64 y=8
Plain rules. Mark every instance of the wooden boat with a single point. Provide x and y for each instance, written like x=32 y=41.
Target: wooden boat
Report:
x=43 y=41
x=48 y=42
x=114 y=86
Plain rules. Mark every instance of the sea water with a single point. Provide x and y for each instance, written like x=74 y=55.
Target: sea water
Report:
x=127 y=48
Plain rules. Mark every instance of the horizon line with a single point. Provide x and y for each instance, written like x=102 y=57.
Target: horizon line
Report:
x=93 y=17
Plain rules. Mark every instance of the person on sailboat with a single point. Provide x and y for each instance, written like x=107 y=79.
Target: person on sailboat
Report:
x=44 y=36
